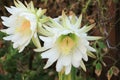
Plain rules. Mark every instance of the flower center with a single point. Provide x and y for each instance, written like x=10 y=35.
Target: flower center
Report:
x=67 y=43
x=25 y=27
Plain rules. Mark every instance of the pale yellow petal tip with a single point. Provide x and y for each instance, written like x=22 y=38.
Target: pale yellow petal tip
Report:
x=93 y=25
x=100 y=38
x=3 y=30
x=80 y=16
x=63 y=14
x=41 y=49
x=44 y=10
x=90 y=54
x=16 y=3
x=83 y=65
x=97 y=38
x=37 y=50
x=46 y=66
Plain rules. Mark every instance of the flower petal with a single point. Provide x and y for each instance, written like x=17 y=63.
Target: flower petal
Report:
x=83 y=51
x=66 y=60
x=65 y=20
x=86 y=28
x=36 y=41
x=93 y=38
x=78 y=23
x=76 y=57
x=91 y=48
x=67 y=69
x=52 y=58
x=59 y=65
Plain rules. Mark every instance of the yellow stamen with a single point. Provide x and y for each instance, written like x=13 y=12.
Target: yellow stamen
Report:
x=66 y=45
x=25 y=27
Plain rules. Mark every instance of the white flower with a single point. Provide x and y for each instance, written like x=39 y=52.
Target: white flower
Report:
x=69 y=44
x=22 y=24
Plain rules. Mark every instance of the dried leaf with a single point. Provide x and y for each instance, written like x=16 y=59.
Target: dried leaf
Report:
x=115 y=70
x=91 y=21
x=98 y=69
x=109 y=74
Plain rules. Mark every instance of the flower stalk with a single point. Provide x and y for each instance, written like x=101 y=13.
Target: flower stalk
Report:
x=62 y=76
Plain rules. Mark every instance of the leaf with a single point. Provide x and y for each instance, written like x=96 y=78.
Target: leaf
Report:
x=101 y=44
x=98 y=69
x=109 y=73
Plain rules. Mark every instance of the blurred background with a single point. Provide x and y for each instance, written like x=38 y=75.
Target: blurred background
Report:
x=28 y=64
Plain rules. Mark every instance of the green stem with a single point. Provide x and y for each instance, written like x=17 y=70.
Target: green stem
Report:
x=73 y=74
x=63 y=76
x=86 y=6
x=60 y=76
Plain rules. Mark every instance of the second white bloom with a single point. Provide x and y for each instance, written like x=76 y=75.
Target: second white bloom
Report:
x=69 y=43
x=22 y=24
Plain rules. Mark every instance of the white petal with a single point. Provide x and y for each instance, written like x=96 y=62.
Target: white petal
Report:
x=66 y=59
x=52 y=58
x=4 y=18
x=26 y=41
x=48 y=41
x=6 y=24
x=3 y=30
x=21 y=43
x=16 y=37
x=59 y=65
x=67 y=69
x=12 y=21
x=21 y=48
x=50 y=61
x=76 y=57
x=15 y=45
x=45 y=39
x=91 y=48
x=83 y=51
x=8 y=37
x=76 y=63
x=10 y=30
x=50 y=53
x=11 y=10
